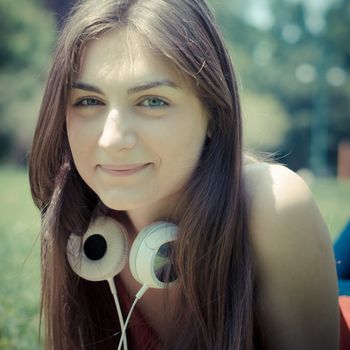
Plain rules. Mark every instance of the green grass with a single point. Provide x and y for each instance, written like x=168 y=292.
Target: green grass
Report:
x=19 y=268
x=333 y=199
x=19 y=252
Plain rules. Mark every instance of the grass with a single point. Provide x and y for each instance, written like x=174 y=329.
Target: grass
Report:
x=333 y=199
x=19 y=268
x=19 y=252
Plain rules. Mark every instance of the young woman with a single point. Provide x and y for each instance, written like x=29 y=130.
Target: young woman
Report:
x=141 y=115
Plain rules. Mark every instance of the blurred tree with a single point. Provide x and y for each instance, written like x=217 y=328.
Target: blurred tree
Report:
x=26 y=37
x=60 y=8
x=23 y=34
x=265 y=122
x=284 y=66
x=337 y=73
x=300 y=59
x=314 y=85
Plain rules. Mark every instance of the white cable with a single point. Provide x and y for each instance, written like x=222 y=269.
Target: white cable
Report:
x=120 y=315
x=138 y=296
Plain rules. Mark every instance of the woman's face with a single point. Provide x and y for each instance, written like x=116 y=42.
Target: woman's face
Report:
x=135 y=128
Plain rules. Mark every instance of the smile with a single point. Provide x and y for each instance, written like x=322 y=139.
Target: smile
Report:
x=123 y=170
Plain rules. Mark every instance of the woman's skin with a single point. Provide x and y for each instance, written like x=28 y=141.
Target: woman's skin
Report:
x=112 y=127
x=136 y=147
x=297 y=300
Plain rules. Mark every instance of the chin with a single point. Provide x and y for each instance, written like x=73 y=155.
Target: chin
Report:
x=123 y=204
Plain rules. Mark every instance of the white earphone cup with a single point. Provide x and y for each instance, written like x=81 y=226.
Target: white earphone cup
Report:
x=101 y=253
x=145 y=252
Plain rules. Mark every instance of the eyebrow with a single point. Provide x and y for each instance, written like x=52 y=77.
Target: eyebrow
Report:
x=145 y=86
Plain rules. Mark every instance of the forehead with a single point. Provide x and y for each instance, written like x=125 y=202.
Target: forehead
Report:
x=122 y=54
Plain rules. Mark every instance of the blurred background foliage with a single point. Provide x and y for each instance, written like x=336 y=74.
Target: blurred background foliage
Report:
x=290 y=55
x=292 y=60
x=293 y=54
x=27 y=33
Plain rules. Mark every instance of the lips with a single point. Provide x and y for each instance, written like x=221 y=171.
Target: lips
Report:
x=123 y=169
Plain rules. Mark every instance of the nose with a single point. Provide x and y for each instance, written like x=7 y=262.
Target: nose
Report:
x=117 y=133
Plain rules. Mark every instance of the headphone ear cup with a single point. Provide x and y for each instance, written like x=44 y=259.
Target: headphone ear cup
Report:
x=150 y=254
x=101 y=253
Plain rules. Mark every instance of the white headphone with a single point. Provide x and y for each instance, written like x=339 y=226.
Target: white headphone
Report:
x=101 y=253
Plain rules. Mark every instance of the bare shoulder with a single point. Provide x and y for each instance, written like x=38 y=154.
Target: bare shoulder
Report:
x=297 y=304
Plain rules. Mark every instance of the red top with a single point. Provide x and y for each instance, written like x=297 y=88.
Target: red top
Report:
x=344 y=304
x=140 y=335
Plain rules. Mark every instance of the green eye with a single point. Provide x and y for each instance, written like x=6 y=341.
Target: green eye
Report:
x=86 y=102
x=154 y=102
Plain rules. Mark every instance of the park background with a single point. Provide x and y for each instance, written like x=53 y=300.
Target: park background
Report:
x=292 y=59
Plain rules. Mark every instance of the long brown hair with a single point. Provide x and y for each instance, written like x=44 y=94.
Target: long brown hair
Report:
x=212 y=253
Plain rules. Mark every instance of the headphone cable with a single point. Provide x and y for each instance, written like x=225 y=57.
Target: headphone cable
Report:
x=123 y=339
x=138 y=296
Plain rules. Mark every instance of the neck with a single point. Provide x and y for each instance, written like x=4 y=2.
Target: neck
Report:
x=136 y=219
x=165 y=210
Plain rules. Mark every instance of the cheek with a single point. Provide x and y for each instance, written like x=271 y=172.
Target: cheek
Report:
x=181 y=151
x=73 y=136
x=187 y=138
x=79 y=139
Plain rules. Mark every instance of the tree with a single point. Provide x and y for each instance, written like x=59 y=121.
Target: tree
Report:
x=303 y=65
x=26 y=36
